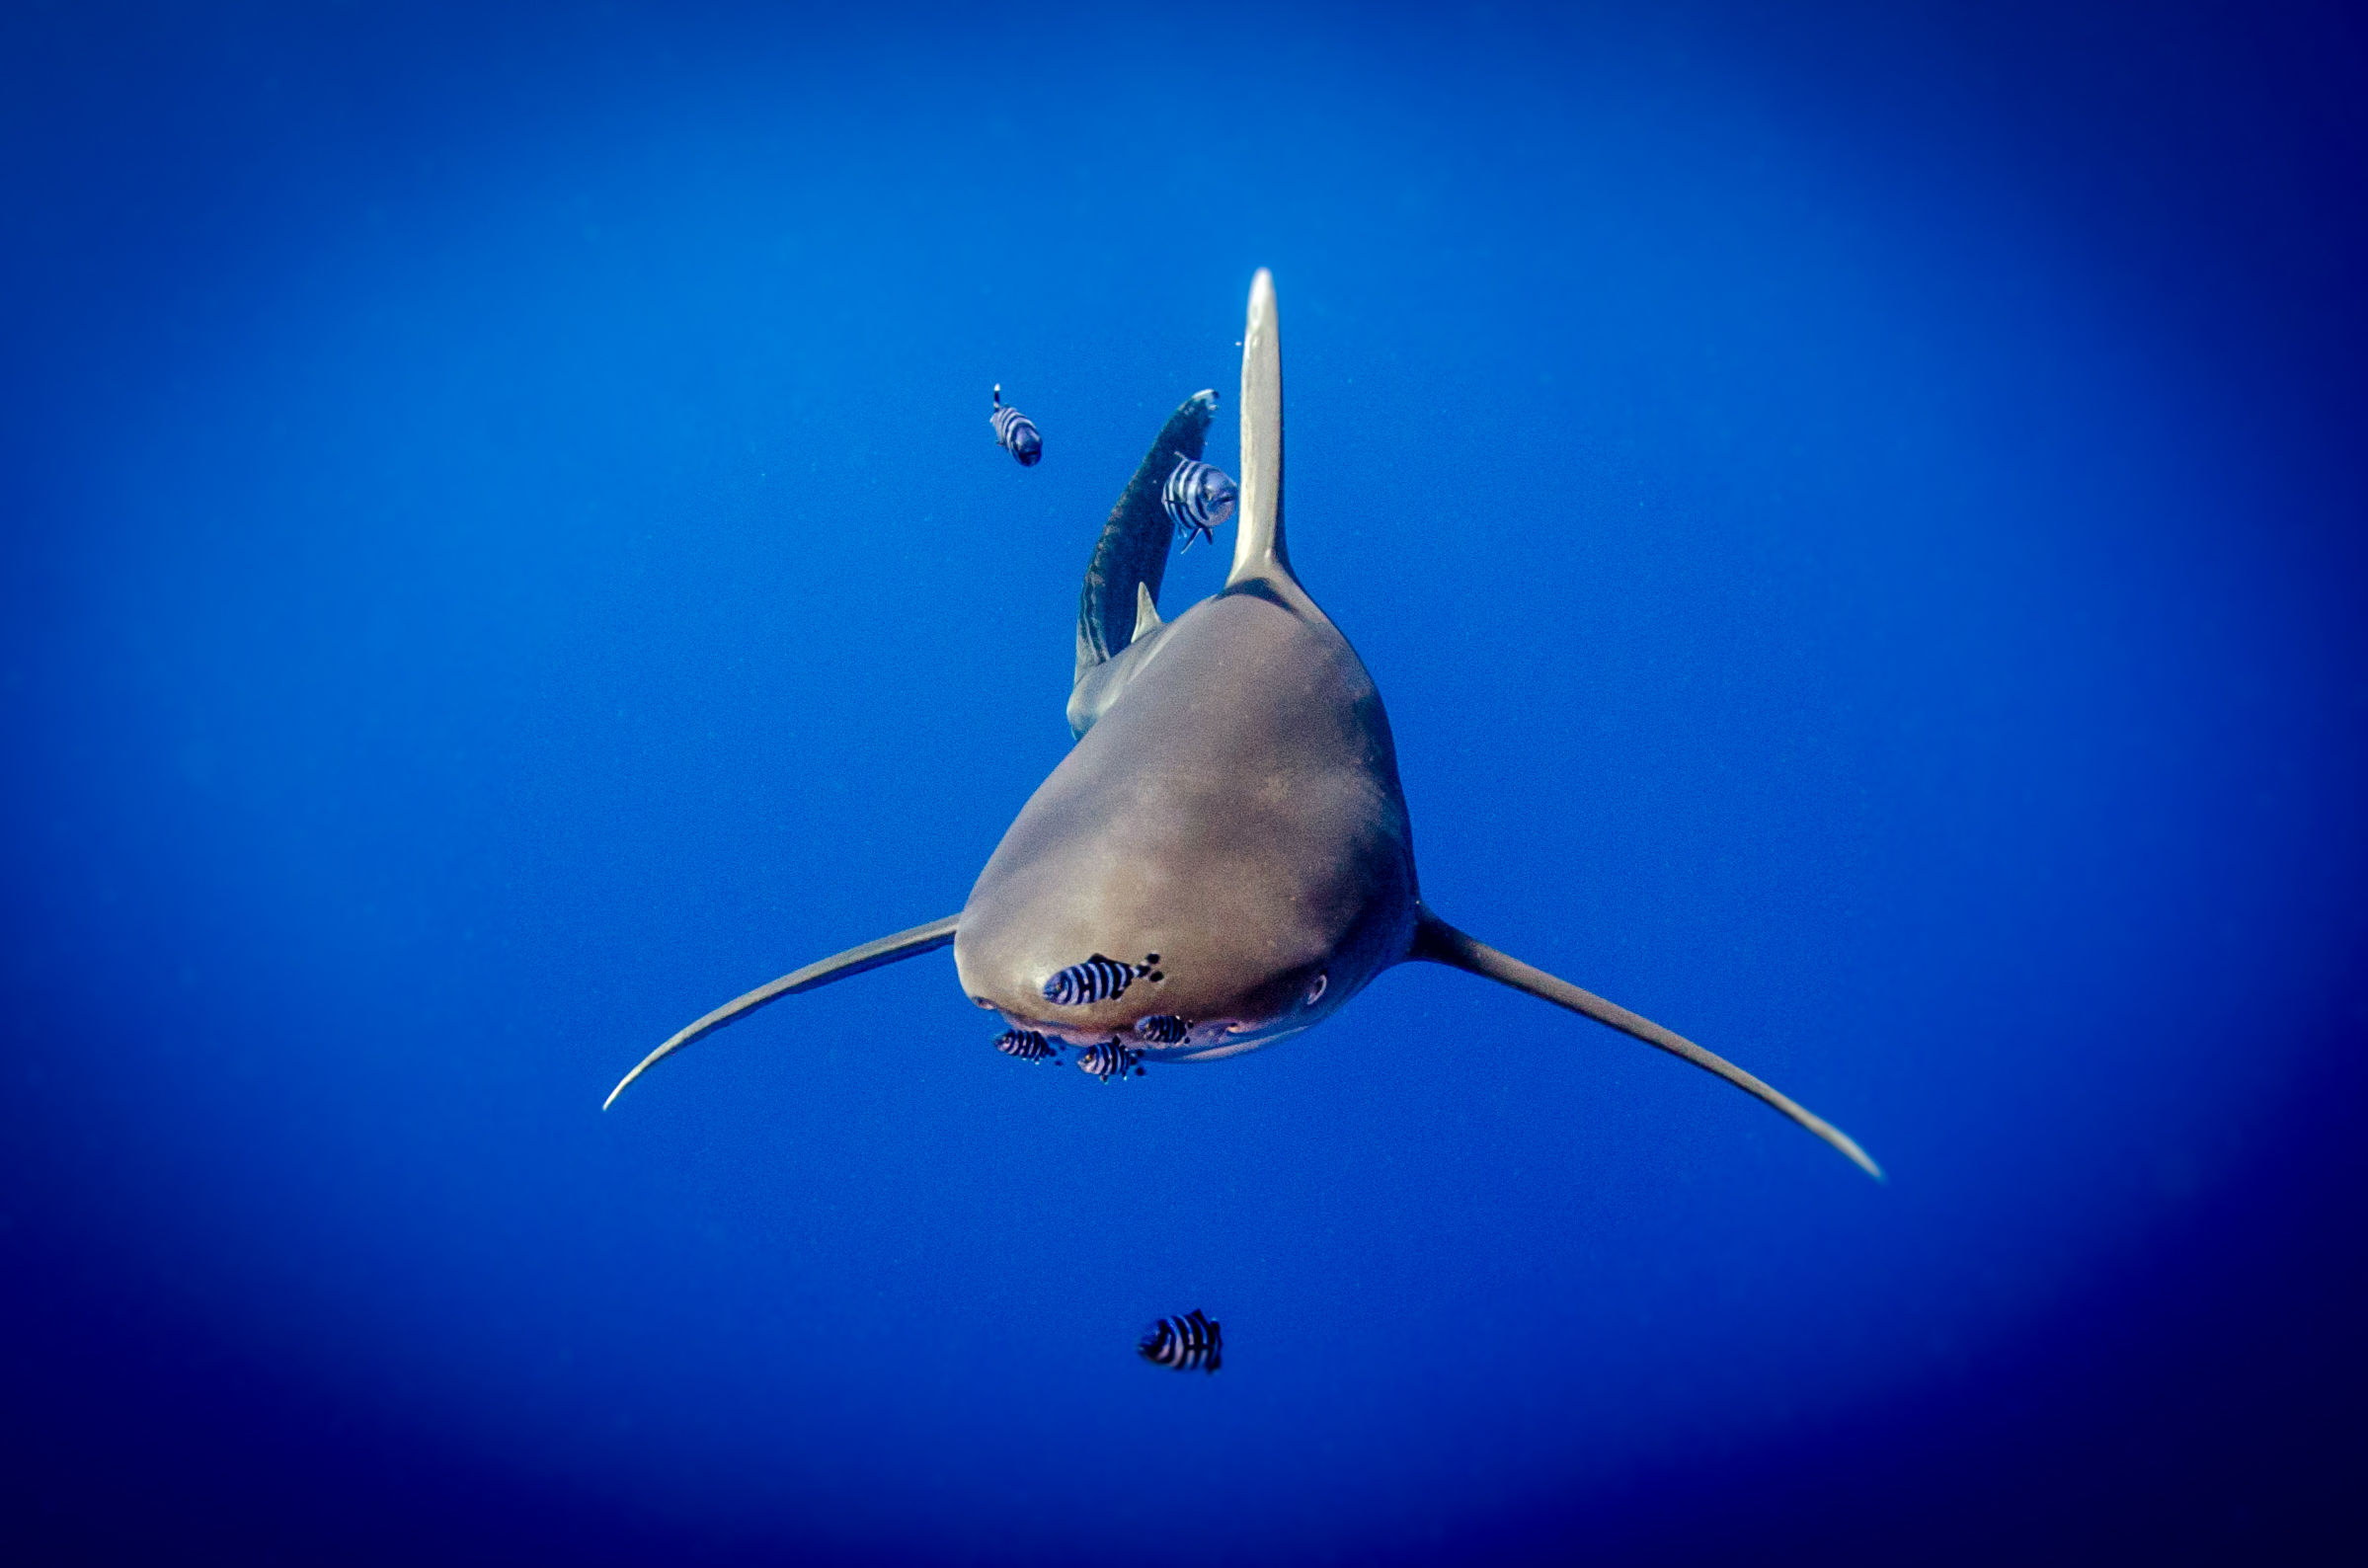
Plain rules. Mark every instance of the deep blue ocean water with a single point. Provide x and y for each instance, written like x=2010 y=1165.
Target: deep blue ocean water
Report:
x=1858 y=519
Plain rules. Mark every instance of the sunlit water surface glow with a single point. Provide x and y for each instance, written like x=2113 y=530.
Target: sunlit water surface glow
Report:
x=561 y=575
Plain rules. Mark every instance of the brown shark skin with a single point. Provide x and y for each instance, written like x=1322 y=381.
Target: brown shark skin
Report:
x=1236 y=812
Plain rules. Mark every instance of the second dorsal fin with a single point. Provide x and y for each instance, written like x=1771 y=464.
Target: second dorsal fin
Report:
x=1147 y=613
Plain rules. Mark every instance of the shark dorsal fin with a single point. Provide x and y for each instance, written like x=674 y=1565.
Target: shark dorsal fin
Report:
x=1146 y=614
x=1258 y=551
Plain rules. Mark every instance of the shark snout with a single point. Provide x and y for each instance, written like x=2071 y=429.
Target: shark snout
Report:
x=1154 y=999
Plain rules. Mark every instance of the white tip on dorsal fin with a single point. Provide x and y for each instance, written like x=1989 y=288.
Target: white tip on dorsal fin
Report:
x=1146 y=614
x=1258 y=535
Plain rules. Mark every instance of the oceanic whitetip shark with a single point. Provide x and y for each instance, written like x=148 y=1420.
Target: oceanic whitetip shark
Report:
x=1225 y=852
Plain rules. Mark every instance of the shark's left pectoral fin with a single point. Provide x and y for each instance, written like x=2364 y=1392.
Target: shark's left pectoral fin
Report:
x=1438 y=942
x=837 y=966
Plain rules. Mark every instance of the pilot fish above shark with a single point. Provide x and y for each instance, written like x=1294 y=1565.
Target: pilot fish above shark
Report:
x=1225 y=858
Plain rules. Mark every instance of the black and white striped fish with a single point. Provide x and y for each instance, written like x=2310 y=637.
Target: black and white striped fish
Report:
x=1097 y=979
x=1189 y=1343
x=1014 y=431
x=1110 y=1059
x=1163 y=1028
x=1198 y=497
x=1025 y=1044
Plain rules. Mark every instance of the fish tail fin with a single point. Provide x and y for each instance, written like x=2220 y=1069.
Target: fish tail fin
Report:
x=1131 y=550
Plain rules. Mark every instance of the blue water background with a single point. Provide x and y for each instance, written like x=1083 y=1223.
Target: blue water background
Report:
x=1857 y=521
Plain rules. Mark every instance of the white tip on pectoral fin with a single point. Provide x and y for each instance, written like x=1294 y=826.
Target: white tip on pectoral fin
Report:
x=1258 y=535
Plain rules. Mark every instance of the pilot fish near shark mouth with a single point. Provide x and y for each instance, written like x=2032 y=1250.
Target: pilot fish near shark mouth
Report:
x=1231 y=812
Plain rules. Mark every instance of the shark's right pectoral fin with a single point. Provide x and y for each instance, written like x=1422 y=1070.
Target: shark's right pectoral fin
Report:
x=1441 y=943
x=837 y=966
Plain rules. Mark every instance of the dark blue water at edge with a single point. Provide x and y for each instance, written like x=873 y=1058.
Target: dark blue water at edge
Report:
x=1857 y=520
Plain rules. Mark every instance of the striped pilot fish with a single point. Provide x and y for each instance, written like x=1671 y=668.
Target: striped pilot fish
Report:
x=1014 y=431
x=1163 y=1029
x=1110 y=1059
x=1198 y=497
x=1097 y=979
x=1025 y=1044
x=1187 y=1344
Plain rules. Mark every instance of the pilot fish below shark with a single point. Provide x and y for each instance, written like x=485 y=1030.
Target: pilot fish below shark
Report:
x=1261 y=910
x=1194 y=1342
x=1107 y=1060
x=1025 y=1044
